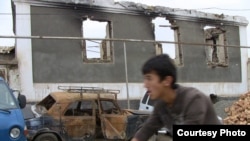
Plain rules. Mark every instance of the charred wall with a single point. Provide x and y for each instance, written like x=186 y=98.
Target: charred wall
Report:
x=195 y=67
x=60 y=61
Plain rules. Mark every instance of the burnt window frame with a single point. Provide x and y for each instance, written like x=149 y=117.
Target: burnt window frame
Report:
x=178 y=47
x=213 y=46
x=107 y=55
x=114 y=102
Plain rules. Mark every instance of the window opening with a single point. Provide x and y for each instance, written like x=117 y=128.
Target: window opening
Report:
x=165 y=31
x=96 y=50
x=216 y=51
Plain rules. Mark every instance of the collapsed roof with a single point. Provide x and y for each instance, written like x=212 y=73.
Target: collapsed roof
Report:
x=127 y=7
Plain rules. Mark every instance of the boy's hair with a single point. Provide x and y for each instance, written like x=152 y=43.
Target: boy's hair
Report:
x=163 y=65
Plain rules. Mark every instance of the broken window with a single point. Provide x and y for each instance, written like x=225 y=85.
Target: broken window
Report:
x=216 y=51
x=80 y=108
x=47 y=102
x=109 y=107
x=165 y=31
x=95 y=51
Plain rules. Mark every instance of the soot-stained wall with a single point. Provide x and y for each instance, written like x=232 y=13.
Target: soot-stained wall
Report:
x=195 y=67
x=60 y=61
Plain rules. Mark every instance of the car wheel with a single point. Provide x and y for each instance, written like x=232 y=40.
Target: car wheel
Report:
x=46 y=137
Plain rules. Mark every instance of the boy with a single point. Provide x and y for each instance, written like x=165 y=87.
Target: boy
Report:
x=176 y=104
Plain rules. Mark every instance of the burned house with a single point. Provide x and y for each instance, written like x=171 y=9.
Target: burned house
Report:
x=207 y=48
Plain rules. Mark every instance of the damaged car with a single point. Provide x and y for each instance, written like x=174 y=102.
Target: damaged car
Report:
x=84 y=114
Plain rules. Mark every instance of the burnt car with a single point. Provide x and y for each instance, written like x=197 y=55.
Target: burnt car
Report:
x=80 y=113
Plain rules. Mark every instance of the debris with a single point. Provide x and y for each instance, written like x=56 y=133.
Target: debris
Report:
x=239 y=111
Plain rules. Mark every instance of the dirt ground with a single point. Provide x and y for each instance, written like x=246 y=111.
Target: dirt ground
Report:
x=222 y=103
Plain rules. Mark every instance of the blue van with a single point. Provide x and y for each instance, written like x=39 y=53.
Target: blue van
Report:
x=12 y=125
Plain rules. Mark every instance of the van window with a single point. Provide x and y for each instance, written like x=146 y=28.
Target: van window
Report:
x=6 y=99
x=151 y=102
x=144 y=100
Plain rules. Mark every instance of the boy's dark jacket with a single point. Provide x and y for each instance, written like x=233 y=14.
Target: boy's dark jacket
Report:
x=191 y=106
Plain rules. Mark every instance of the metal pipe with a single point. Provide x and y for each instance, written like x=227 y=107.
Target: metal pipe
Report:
x=126 y=73
x=122 y=40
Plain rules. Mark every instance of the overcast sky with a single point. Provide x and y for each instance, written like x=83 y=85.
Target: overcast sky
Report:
x=227 y=7
x=6 y=23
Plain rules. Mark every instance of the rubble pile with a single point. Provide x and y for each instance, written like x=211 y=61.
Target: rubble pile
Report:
x=239 y=112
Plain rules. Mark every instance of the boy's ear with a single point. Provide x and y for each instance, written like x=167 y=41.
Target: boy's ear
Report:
x=168 y=81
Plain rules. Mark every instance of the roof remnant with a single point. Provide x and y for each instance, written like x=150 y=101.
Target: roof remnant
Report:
x=138 y=8
x=90 y=2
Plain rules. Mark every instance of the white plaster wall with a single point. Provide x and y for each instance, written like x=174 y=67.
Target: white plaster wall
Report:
x=248 y=74
x=14 y=80
x=136 y=90
x=23 y=49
